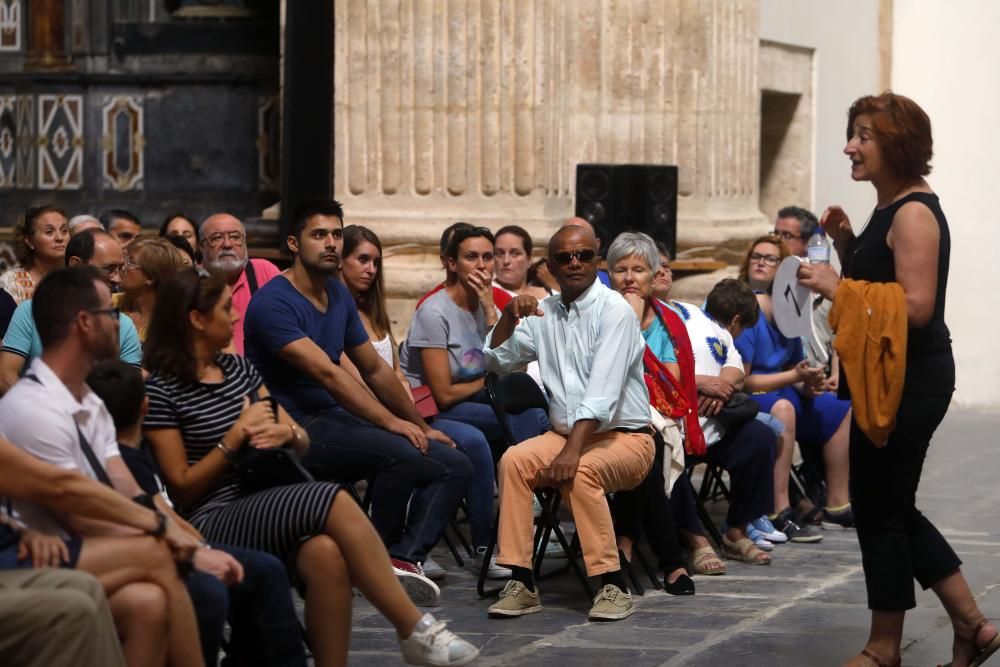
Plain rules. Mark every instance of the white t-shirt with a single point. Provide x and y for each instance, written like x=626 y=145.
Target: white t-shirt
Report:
x=39 y=418
x=713 y=350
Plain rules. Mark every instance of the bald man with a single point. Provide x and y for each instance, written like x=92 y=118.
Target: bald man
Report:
x=224 y=251
x=583 y=223
x=589 y=349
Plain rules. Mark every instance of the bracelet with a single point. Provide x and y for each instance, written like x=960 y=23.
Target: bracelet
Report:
x=229 y=454
x=295 y=434
x=161 y=525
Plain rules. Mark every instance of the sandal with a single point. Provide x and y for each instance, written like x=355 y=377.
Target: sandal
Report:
x=983 y=654
x=879 y=662
x=745 y=550
x=704 y=561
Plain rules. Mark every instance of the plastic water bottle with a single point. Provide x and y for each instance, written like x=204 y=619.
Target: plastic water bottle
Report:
x=817 y=249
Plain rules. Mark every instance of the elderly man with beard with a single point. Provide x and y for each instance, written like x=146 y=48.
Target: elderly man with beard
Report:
x=224 y=251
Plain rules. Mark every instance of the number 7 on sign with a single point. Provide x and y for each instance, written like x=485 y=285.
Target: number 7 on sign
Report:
x=790 y=296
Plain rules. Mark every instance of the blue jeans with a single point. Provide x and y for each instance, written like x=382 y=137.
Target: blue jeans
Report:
x=479 y=496
x=347 y=448
x=476 y=411
x=265 y=629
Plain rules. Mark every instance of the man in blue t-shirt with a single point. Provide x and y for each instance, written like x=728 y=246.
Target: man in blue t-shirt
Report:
x=21 y=343
x=296 y=329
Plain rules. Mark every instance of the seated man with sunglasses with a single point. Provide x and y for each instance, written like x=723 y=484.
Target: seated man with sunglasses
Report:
x=21 y=344
x=589 y=350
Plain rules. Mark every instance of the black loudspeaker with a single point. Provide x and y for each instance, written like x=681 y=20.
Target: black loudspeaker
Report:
x=617 y=198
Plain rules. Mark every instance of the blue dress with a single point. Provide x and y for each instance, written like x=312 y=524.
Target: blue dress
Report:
x=767 y=350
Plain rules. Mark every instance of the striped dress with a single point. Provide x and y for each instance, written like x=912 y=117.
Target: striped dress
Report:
x=275 y=520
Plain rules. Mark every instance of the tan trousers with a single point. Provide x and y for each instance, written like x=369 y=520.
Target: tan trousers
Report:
x=51 y=618
x=611 y=461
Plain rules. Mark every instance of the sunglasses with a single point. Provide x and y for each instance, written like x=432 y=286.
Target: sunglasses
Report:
x=586 y=256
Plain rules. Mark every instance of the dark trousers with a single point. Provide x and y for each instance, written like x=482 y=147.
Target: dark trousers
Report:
x=647 y=509
x=898 y=543
x=265 y=629
x=684 y=508
x=747 y=453
x=346 y=448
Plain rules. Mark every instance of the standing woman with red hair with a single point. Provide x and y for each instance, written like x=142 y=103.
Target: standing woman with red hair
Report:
x=904 y=241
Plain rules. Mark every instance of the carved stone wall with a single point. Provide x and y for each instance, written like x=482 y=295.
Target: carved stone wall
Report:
x=482 y=110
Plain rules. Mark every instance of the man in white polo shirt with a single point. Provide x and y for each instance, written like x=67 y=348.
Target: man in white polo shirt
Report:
x=52 y=414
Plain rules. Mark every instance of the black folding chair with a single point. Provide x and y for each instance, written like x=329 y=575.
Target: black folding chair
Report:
x=512 y=394
x=712 y=488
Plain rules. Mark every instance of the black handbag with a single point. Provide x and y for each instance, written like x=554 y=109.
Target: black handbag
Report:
x=738 y=411
x=261 y=469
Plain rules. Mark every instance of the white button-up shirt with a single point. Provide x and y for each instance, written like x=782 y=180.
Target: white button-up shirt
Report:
x=39 y=418
x=589 y=356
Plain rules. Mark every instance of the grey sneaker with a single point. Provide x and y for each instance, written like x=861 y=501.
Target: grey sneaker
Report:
x=431 y=643
x=786 y=523
x=432 y=570
x=611 y=604
x=494 y=571
x=515 y=600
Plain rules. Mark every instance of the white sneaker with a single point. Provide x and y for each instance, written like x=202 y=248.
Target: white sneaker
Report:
x=432 y=570
x=494 y=571
x=431 y=643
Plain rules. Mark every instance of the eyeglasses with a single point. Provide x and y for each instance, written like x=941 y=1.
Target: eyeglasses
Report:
x=215 y=240
x=785 y=234
x=769 y=260
x=586 y=256
x=112 y=270
x=110 y=312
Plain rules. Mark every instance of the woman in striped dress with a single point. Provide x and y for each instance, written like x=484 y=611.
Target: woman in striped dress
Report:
x=200 y=416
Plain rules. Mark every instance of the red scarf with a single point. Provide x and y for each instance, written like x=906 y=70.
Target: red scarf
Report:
x=678 y=400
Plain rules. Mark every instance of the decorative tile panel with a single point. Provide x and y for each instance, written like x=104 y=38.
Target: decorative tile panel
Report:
x=268 y=143
x=10 y=25
x=8 y=141
x=60 y=142
x=122 y=143
x=24 y=141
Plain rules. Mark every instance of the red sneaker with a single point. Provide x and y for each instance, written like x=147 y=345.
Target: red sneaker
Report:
x=421 y=590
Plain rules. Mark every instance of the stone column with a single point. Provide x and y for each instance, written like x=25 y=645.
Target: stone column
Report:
x=450 y=110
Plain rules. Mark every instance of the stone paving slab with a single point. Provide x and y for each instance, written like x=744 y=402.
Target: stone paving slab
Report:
x=807 y=608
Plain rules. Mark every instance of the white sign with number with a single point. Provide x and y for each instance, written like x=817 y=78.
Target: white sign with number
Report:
x=792 y=302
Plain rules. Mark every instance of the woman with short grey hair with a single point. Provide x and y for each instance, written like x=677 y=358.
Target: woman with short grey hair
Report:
x=637 y=244
x=633 y=261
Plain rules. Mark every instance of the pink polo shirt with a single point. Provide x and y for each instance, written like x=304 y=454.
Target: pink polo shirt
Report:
x=264 y=270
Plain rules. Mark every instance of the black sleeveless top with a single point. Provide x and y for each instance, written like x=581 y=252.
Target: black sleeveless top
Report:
x=930 y=366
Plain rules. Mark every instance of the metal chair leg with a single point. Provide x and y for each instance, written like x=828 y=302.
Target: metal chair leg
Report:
x=650 y=572
x=487 y=557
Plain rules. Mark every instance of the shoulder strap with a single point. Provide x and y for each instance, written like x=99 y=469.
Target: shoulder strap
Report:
x=251 y=274
x=95 y=464
x=102 y=475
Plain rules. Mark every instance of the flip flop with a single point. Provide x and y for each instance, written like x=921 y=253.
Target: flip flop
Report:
x=983 y=654
x=701 y=557
x=879 y=662
x=744 y=550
